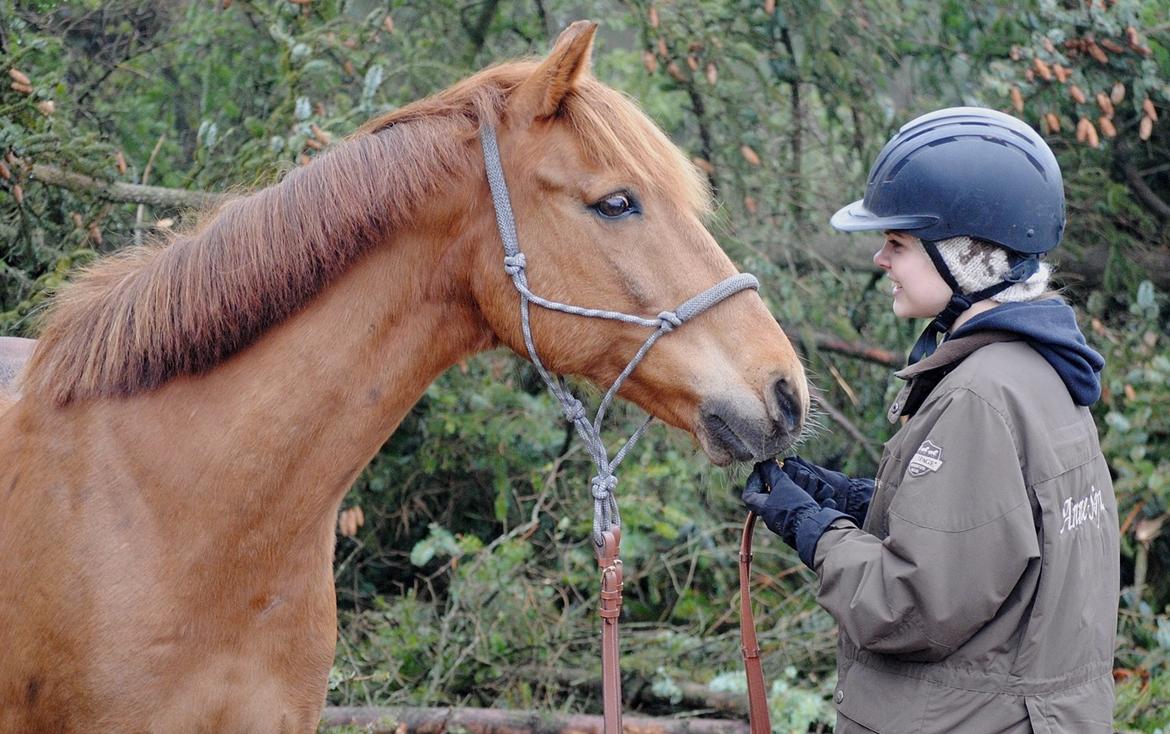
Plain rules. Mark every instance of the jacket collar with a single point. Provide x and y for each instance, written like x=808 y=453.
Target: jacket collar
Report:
x=955 y=350
x=948 y=354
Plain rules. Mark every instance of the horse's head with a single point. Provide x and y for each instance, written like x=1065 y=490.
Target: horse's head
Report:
x=609 y=214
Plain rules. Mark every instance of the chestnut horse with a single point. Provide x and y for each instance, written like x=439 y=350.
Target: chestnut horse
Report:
x=194 y=411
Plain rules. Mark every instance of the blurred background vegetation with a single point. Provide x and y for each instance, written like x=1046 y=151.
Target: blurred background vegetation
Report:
x=464 y=571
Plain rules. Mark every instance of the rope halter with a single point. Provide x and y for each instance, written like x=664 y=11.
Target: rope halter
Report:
x=604 y=483
x=606 y=520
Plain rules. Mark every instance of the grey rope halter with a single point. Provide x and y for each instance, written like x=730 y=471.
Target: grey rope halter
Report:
x=603 y=484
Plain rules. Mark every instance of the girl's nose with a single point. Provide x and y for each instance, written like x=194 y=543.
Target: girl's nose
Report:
x=881 y=258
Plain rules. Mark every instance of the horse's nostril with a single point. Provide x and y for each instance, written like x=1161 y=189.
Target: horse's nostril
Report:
x=788 y=407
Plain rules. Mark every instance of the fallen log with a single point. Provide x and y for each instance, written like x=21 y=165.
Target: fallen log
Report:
x=418 y=720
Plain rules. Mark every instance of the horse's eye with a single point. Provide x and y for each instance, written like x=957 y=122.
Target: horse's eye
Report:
x=615 y=205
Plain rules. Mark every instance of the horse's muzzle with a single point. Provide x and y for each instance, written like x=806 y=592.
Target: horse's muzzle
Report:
x=741 y=428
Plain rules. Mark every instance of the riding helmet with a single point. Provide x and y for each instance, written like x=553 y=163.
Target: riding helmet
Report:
x=964 y=171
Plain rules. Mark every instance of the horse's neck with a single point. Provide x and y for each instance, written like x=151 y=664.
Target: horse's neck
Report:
x=272 y=438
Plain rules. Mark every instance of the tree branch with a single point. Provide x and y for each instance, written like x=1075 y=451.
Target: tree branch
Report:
x=123 y=192
x=1142 y=190
x=706 y=147
x=477 y=33
x=865 y=352
x=796 y=141
x=854 y=432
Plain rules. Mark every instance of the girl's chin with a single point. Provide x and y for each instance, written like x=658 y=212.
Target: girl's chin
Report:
x=906 y=311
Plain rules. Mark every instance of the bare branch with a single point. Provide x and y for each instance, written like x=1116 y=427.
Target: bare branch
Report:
x=854 y=432
x=123 y=192
x=865 y=352
x=1143 y=192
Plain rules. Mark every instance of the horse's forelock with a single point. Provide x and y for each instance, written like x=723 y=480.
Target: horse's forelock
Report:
x=616 y=133
x=612 y=129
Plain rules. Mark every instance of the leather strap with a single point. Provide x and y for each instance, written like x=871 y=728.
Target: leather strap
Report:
x=610 y=609
x=757 y=692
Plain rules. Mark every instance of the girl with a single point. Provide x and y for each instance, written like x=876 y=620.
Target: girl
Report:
x=975 y=580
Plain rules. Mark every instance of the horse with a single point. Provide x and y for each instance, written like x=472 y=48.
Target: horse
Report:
x=195 y=409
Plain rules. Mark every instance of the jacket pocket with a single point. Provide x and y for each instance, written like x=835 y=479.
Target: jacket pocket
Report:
x=885 y=702
x=962 y=711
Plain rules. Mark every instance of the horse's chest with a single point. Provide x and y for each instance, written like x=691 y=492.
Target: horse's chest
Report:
x=250 y=679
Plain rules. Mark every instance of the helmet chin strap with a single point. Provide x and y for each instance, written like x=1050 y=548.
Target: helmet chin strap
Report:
x=1024 y=267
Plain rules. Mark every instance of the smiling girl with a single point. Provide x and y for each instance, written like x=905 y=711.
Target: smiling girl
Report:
x=975 y=580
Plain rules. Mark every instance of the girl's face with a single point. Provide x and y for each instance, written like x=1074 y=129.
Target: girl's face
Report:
x=919 y=291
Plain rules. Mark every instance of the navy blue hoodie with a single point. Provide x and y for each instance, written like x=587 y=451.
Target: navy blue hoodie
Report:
x=1050 y=327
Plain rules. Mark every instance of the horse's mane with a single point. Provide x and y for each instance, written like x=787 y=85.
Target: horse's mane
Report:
x=138 y=318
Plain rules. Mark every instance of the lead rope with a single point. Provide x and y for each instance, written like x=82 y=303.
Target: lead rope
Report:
x=757 y=697
x=606 y=520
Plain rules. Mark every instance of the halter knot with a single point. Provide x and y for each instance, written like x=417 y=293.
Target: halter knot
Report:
x=602 y=487
x=668 y=320
x=574 y=410
x=513 y=264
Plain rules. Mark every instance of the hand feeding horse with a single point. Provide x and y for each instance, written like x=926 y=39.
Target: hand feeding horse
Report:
x=195 y=411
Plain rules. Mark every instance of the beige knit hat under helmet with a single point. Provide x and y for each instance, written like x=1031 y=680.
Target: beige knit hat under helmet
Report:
x=976 y=265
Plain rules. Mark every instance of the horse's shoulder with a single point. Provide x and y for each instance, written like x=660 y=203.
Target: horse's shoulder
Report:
x=14 y=353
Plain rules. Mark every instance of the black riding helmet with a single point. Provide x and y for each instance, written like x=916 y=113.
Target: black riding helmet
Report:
x=964 y=171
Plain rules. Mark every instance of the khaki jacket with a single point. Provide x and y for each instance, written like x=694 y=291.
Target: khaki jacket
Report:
x=981 y=595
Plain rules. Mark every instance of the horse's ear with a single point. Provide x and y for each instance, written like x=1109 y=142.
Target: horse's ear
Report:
x=540 y=95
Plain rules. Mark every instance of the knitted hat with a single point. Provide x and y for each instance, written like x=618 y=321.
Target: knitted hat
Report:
x=976 y=265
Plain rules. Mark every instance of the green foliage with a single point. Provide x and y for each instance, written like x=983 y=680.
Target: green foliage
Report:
x=1136 y=440
x=1089 y=76
x=1143 y=675
x=1136 y=433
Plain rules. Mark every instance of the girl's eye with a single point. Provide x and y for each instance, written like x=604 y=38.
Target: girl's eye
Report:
x=615 y=205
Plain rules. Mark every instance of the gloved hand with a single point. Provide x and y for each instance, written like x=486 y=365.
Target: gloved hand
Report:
x=788 y=510
x=830 y=488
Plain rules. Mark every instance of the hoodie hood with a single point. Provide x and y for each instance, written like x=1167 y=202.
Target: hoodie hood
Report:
x=1050 y=327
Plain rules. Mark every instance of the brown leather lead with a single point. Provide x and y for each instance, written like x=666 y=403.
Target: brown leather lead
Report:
x=610 y=609
x=757 y=693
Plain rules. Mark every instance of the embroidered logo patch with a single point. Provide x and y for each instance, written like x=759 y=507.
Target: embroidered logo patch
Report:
x=928 y=457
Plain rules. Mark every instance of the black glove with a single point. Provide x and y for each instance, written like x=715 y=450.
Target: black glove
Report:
x=831 y=488
x=788 y=510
